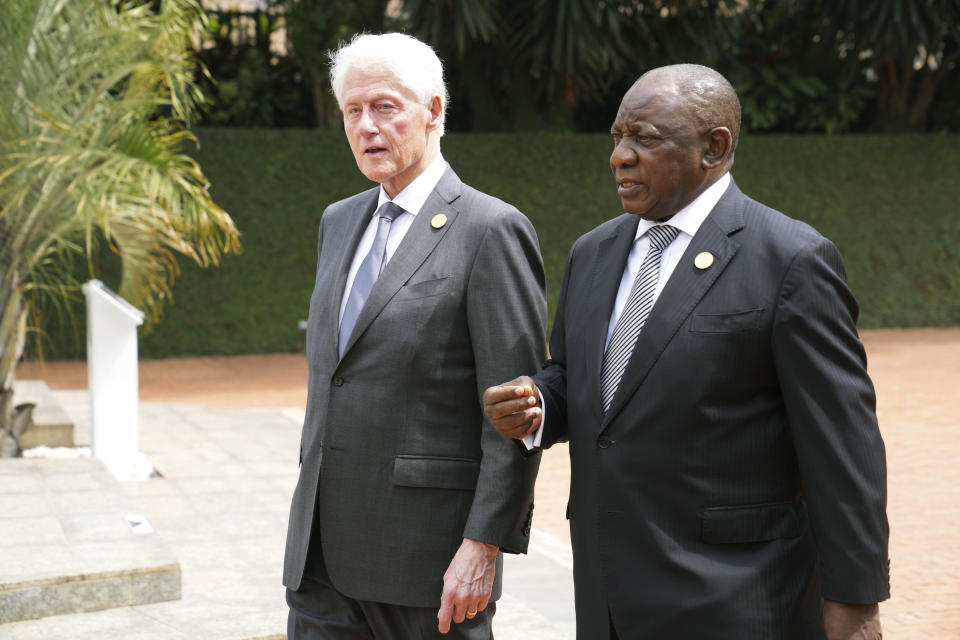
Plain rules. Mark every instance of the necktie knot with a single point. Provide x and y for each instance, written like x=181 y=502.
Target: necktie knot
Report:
x=662 y=235
x=390 y=211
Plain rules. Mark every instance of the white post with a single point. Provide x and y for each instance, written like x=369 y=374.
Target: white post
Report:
x=112 y=378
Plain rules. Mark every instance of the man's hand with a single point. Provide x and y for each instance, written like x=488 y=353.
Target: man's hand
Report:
x=513 y=407
x=843 y=621
x=468 y=582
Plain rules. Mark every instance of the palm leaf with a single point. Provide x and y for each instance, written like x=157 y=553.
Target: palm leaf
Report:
x=94 y=104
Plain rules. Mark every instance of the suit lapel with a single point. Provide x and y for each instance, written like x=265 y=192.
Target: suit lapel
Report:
x=417 y=244
x=610 y=260
x=682 y=293
x=356 y=225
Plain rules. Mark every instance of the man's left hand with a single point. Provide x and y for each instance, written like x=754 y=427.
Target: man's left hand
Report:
x=513 y=408
x=842 y=621
x=468 y=583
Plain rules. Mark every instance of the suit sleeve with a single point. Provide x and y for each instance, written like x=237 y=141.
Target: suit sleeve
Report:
x=552 y=379
x=831 y=408
x=506 y=315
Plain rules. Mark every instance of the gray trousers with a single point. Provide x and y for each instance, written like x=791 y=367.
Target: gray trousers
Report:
x=319 y=612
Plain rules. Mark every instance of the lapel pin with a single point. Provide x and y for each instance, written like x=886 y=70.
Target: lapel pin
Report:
x=438 y=221
x=703 y=260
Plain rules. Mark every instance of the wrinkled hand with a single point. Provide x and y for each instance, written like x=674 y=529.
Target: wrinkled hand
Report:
x=513 y=408
x=843 y=621
x=467 y=583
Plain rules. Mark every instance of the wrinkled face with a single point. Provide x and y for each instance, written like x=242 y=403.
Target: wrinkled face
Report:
x=387 y=128
x=658 y=151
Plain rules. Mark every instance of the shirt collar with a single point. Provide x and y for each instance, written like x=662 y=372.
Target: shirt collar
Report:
x=416 y=193
x=689 y=219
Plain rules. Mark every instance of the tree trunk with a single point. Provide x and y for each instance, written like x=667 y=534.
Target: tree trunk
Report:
x=13 y=317
x=8 y=444
x=893 y=91
x=326 y=114
x=917 y=118
x=904 y=95
x=14 y=422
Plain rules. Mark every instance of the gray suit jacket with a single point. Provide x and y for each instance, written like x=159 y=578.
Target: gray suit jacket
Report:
x=739 y=474
x=398 y=464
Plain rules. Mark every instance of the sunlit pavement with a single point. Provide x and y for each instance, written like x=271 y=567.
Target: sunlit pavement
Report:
x=217 y=430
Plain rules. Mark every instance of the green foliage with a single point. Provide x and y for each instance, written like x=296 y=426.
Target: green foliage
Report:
x=890 y=203
x=787 y=74
x=454 y=25
x=895 y=29
x=94 y=99
x=910 y=47
x=246 y=84
x=895 y=220
x=315 y=27
x=558 y=65
x=530 y=65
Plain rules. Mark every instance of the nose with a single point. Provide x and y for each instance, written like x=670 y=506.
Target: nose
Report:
x=366 y=123
x=623 y=155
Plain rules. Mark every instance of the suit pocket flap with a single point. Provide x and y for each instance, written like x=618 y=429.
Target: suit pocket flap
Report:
x=726 y=322
x=436 y=472
x=753 y=523
x=424 y=288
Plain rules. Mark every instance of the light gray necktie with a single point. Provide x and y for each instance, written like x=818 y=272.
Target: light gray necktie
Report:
x=368 y=272
x=634 y=313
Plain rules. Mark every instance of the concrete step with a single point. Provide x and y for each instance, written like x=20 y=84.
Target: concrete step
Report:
x=72 y=542
x=52 y=427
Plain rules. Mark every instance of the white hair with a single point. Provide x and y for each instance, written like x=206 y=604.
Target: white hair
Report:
x=413 y=64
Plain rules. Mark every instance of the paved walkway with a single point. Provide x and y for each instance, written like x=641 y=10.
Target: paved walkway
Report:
x=222 y=430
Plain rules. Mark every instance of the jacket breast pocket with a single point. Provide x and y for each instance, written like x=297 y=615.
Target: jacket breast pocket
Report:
x=425 y=288
x=748 y=320
x=751 y=523
x=436 y=472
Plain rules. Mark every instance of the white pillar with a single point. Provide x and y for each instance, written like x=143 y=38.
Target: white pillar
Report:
x=112 y=377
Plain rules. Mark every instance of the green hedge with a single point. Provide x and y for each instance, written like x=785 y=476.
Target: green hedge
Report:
x=890 y=203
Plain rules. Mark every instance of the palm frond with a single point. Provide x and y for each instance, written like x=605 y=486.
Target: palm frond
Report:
x=94 y=106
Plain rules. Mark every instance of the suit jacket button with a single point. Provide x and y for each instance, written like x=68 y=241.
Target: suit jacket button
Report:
x=604 y=442
x=337 y=381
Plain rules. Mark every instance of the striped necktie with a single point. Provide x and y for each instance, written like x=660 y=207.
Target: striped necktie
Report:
x=634 y=313
x=368 y=272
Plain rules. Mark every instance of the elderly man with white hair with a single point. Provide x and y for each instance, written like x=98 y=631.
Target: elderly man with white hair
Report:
x=407 y=496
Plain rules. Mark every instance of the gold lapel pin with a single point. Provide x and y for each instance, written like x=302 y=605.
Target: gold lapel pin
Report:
x=703 y=260
x=438 y=221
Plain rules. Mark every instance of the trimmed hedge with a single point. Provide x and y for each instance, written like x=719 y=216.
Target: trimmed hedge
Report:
x=890 y=203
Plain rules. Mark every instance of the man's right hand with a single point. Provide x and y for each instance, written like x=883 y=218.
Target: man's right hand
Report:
x=513 y=408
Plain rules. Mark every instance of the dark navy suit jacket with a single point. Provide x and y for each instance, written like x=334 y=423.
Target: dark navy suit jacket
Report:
x=739 y=476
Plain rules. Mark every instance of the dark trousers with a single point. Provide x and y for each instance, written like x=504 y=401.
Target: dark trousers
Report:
x=319 y=612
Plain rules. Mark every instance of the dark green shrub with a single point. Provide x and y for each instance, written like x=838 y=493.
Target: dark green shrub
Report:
x=891 y=204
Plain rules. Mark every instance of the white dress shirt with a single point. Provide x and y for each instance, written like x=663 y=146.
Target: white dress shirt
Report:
x=411 y=200
x=688 y=221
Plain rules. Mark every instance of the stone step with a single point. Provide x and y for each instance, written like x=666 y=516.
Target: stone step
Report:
x=52 y=427
x=72 y=542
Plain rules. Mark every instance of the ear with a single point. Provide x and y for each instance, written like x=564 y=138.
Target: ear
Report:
x=718 y=147
x=436 y=111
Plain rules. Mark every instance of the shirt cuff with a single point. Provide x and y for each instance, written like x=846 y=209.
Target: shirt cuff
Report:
x=532 y=440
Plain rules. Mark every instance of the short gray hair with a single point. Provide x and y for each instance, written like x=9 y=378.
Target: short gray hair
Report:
x=709 y=96
x=413 y=64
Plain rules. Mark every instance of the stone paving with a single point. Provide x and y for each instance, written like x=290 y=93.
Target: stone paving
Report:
x=221 y=507
x=72 y=542
x=227 y=478
x=917 y=374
